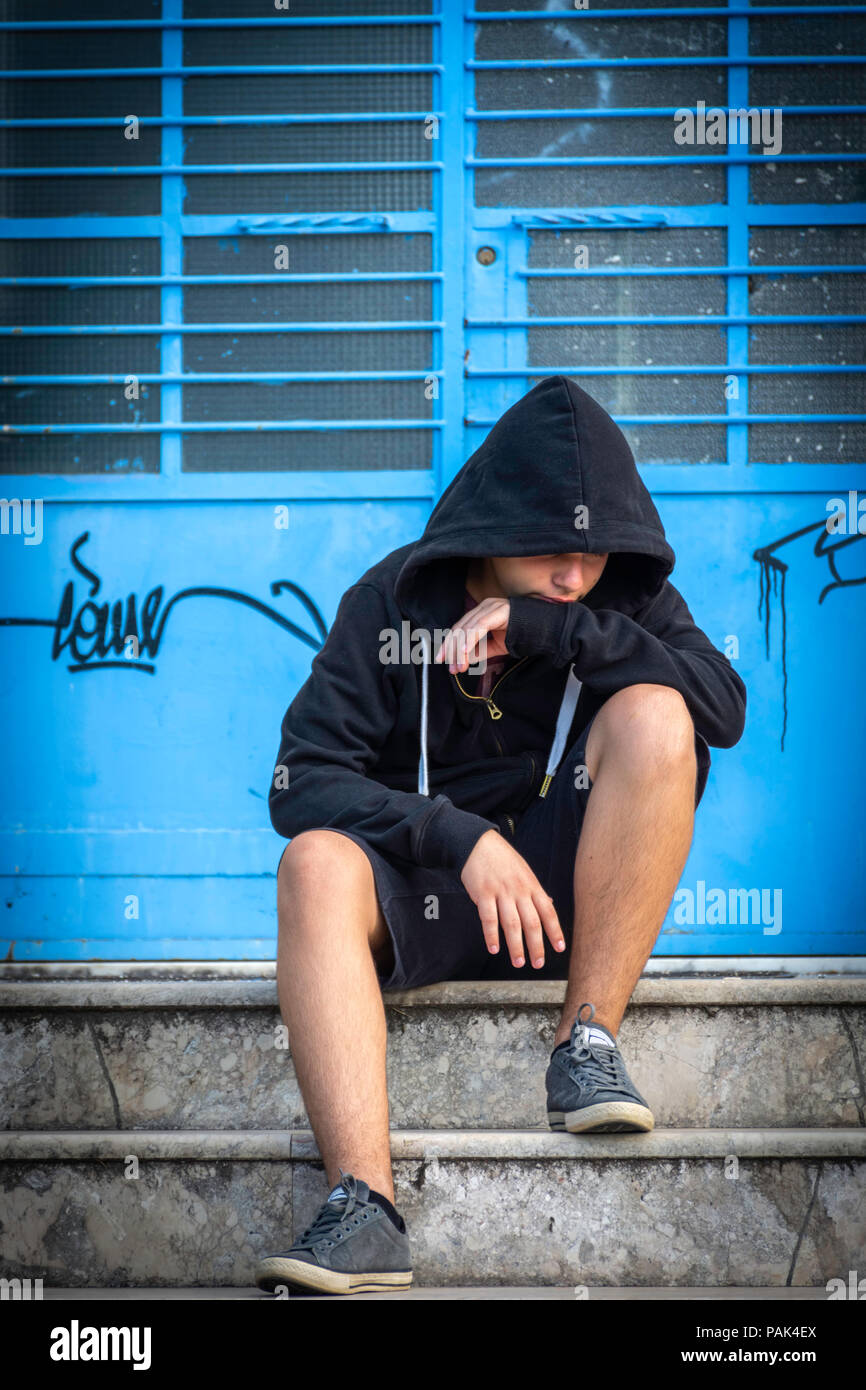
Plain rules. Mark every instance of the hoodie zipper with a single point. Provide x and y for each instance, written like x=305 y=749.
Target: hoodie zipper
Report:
x=496 y=713
x=494 y=710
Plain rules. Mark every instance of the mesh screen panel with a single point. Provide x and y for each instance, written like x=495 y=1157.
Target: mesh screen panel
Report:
x=329 y=143
x=309 y=302
x=820 y=343
x=70 y=196
x=817 y=84
x=322 y=450
x=304 y=93
x=598 y=87
x=237 y=194
x=629 y=345
x=127 y=355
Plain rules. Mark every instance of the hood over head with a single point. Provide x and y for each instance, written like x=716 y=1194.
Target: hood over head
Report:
x=556 y=450
x=554 y=476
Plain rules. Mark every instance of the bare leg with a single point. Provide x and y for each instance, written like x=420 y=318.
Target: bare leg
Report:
x=331 y=930
x=634 y=843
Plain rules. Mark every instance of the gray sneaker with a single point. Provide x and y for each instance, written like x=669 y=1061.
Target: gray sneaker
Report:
x=352 y=1246
x=588 y=1087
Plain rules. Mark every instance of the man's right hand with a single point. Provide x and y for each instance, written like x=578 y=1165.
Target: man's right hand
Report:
x=508 y=895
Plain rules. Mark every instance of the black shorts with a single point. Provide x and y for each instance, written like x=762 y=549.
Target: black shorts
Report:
x=434 y=924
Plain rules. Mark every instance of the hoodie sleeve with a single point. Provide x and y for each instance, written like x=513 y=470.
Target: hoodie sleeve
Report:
x=661 y=645
x=330 y=739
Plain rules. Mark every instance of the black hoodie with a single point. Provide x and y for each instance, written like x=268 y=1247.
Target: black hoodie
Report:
x=401 y=752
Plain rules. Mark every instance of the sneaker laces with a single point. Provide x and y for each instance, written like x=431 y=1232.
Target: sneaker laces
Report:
x=331 y=1215
x=599 y=1063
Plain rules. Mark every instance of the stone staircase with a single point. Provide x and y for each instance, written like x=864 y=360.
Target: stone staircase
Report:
x=156 y=1136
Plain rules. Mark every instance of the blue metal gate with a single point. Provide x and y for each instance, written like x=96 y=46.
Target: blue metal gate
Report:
x=270 y=279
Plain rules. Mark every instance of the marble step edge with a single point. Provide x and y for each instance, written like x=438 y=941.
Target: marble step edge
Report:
x=596 y=1293
x=431 y=1145
x=660 y=967
x=239 y=993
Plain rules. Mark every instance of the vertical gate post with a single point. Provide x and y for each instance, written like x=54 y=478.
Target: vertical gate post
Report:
x=450 y=239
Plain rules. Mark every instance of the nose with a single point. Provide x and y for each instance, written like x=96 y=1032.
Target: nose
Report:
x=569 y=579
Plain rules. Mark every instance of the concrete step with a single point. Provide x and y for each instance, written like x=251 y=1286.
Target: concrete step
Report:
x=209 y=1053
x=688 y=1208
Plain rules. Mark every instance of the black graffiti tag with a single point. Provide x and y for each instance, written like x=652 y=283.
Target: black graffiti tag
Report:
x=774 y=570
x=94 y=630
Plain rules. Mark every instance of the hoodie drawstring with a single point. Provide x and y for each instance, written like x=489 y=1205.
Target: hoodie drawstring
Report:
x=422 y=766
x=557 y=748
x=563 y=724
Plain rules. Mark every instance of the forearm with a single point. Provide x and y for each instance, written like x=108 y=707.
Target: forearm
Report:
x=610 y=650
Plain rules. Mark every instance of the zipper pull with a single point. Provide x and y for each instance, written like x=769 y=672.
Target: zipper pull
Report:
x=495 y=711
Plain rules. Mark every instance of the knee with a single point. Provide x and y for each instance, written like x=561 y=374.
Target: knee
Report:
x=318 y=859
x=649 y=725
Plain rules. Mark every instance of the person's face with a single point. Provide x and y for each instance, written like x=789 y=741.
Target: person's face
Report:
x=564 y=578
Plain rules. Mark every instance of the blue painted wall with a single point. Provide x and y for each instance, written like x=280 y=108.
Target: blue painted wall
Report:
x=134 y=817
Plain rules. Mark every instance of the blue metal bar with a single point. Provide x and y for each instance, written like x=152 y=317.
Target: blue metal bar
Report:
x=223 y=70
x=171 y=251
x=203 y=378
x=784 y=60
x=235 y=426
x=338 y=485
x=363 y=166
x=668 y=161
x=703 y=320
x=269 y=21
x=551 y=113
x=737 y=250
x=714 y=420
x=663 y=12
x=514 y=349
x=639 y=270
x=686 y=369
x=314 y=118
x=180 y=169
x=313 y=69
x=670 y=215
x=451 y=200
x=272 y=426
x=356 y=326
x=351 y=117
x=306 y=223
x=423 y=220
x=708 y=320
x=219 y=224
x=274 y=277
x=822 y=480
x=574 y=369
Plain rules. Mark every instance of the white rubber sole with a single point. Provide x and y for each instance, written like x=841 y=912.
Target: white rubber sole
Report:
x=613 y=1116
x=300 y=1274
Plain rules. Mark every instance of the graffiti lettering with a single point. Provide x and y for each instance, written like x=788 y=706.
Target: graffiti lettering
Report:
x=94 y=631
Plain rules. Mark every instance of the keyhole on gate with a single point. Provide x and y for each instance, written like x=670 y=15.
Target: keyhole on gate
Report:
x=486 y=255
